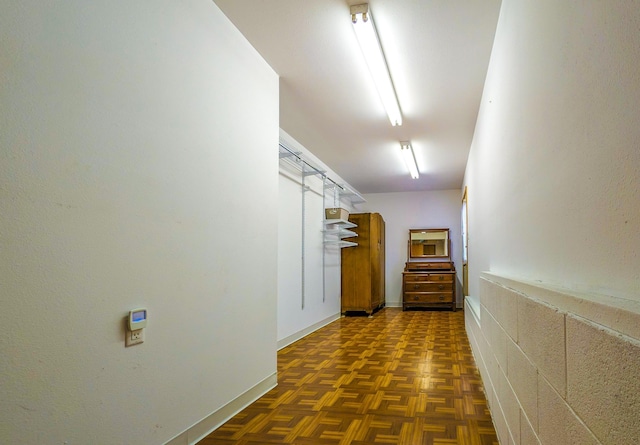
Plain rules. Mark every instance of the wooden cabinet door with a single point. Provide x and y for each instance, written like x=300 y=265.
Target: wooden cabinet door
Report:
x=382 y=282
x=374 y=261
x=363 y=266
x=377 y=260
x=356 y=272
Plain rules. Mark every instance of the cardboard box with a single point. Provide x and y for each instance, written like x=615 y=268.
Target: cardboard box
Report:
x=336 y=213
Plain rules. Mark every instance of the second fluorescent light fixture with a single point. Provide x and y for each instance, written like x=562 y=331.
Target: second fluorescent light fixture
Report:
x=373 y=55
x=409 y=159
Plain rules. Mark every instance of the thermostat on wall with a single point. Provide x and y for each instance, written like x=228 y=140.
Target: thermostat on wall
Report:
x=137 y=319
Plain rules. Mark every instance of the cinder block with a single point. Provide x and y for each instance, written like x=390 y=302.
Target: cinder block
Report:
x=470 y=327
x=487 y=294
x=523 y=377
x=481 y=351
x=482 y=367
x=557 y=423
x=493 y=369
x=510 y=407
x=500 y=424
x=488 y=384
x=603 y=384
x=541 y=337
x=506 y=310
x=527 y=435
x=496 y=337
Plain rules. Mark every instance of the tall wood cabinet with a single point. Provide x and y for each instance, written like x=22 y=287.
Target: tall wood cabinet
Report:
x=363 y=272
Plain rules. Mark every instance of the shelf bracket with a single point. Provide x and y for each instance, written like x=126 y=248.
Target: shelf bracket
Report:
x=288 y=154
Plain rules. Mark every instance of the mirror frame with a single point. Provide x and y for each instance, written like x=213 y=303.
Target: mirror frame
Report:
x=447 y=243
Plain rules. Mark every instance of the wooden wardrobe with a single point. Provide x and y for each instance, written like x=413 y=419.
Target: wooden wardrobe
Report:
x=363 y=265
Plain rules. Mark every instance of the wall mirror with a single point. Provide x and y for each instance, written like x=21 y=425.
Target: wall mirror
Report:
x=429 y=243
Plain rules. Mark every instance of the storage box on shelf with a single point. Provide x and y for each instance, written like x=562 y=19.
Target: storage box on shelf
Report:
x=336 y=213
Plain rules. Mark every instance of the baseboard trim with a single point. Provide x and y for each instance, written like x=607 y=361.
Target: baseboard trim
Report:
x=201 y=429
x=474 y=306
x=306 y=331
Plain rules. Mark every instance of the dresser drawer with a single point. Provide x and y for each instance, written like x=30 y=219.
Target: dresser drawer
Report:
x=428 y=298
x=429 y=266
x=444 y=277
x=428 y=286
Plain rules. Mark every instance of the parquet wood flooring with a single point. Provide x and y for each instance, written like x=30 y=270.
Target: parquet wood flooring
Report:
x=405 y=378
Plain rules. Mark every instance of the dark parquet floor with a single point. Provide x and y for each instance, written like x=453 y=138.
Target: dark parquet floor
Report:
x=405 y=378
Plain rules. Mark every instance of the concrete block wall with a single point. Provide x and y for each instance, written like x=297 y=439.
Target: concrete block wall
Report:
x=558 y=367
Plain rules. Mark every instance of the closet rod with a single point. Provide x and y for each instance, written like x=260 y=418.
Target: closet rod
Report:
x=321 y=173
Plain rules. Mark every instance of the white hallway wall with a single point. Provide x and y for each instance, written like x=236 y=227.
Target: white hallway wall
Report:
x=138 y=153
x=553 y=183
x=554 y=170
x=300 y=314
x=415 y=210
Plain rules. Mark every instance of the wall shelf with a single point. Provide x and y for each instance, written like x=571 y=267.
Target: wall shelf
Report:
x=342 y=243
x=337 y=229
x=341 y=233
x=344 y=191
x=341 y=223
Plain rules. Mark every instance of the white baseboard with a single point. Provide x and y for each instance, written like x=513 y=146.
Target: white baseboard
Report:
x=214 y=420
x=474 y=305
x=306 y=331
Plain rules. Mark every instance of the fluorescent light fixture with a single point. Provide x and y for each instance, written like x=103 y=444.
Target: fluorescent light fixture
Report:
x=409 y=158
x=373 y=55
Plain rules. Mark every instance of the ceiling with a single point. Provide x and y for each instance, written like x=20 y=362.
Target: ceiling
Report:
x=438 y=53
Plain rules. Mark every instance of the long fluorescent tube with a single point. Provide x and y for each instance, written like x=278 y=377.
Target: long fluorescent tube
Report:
x=409 y=159
x=372 y=52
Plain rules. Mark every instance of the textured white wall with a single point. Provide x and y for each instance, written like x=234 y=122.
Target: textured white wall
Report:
x=553 y=369
x=414 y=210
x=294 y=320
x=138 y=168
x=554 y=170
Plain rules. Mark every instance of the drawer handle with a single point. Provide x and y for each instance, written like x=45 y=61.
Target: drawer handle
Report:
x=441 y=286
x=441 y=277
x=441 y=297
x=415 y=298
x=416 y=286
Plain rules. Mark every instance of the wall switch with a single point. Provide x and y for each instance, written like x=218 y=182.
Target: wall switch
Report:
x=133 y=337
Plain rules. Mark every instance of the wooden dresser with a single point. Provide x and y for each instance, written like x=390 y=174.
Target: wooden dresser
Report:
x=429 y=285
